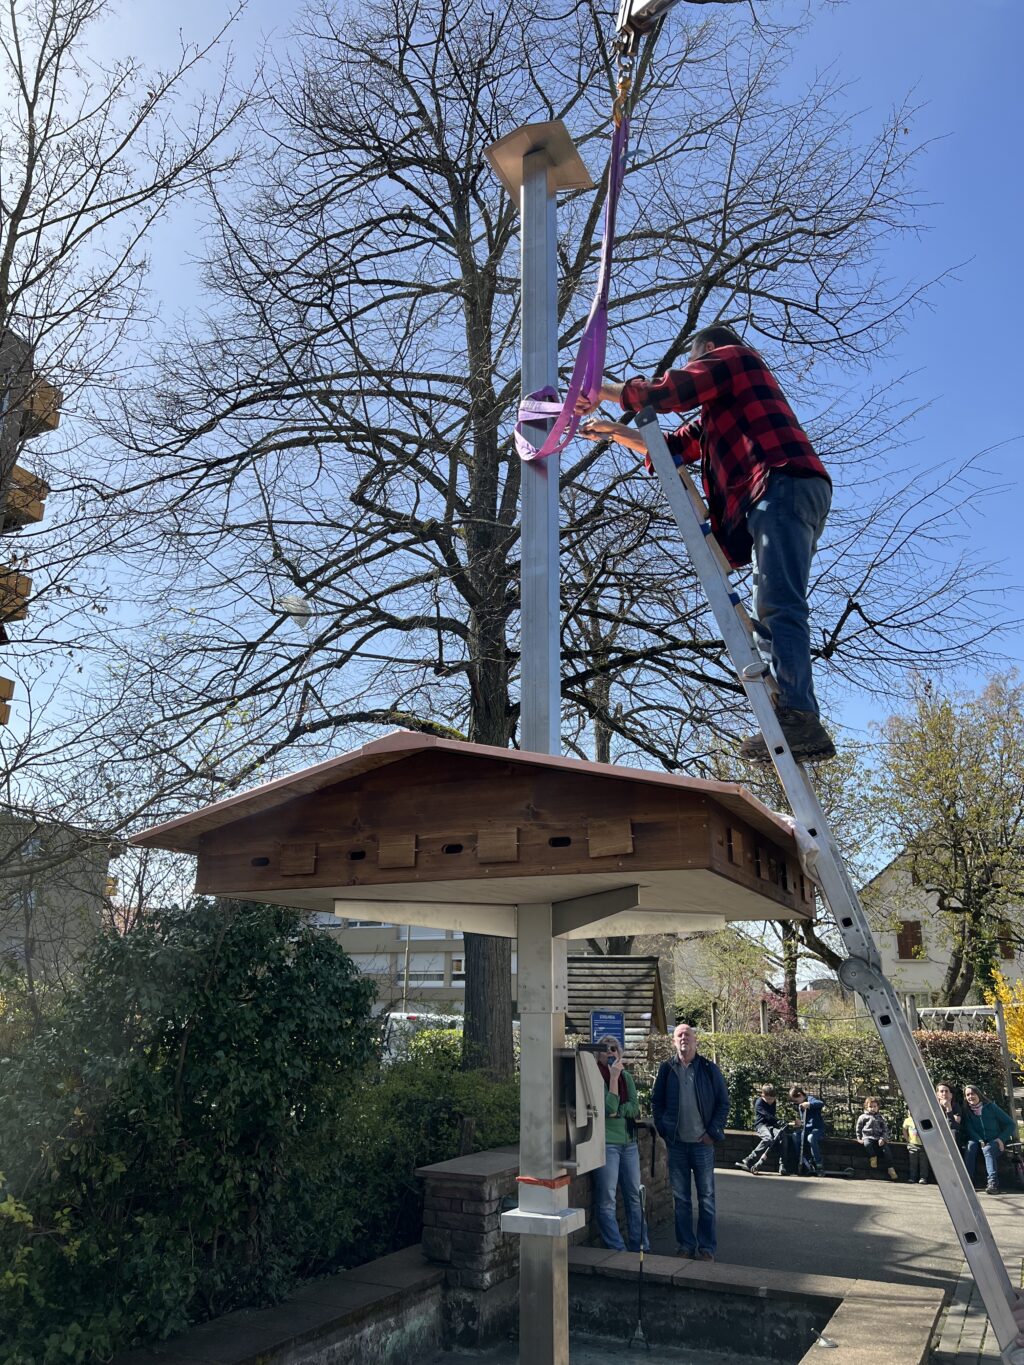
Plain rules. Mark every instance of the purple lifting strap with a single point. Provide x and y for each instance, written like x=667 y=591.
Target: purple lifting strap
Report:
x=588 y=370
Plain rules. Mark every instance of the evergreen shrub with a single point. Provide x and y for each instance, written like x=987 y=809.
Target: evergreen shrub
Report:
x=414 y=1114
x=203 y=1122
x=168 y=1138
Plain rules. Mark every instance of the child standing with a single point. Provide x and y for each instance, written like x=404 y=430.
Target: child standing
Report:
x=873 y=1133
x=768 y=1129
x=917 y=1158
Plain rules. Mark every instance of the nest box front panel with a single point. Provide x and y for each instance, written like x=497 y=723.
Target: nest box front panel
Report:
x=442 y=817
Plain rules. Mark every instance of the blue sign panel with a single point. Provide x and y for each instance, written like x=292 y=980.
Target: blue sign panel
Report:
x=608 y=1024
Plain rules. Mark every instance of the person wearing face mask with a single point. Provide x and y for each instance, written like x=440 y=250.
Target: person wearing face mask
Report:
x=621 y=1169
x=987 y=1129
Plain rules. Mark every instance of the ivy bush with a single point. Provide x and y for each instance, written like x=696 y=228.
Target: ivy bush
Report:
x=168 y=1141
x=841 y=1069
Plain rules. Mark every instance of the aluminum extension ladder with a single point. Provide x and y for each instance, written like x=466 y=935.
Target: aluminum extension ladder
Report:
x=861 y=971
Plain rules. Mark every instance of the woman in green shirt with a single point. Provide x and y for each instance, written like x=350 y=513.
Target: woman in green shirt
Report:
x=621 y=1167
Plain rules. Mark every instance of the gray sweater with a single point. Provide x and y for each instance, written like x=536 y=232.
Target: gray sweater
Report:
x=872 y=1126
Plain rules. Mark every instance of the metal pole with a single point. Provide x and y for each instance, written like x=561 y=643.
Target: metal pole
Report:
x=1004 y=1048
x=543 y=1260
x=540 y=666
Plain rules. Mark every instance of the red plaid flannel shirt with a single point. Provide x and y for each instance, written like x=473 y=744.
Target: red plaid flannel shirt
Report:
x=745 y=430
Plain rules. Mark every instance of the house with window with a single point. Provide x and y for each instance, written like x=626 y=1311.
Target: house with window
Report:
x=911 y=937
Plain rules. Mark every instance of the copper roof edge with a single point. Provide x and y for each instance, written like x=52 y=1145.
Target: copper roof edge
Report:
x=394 y=746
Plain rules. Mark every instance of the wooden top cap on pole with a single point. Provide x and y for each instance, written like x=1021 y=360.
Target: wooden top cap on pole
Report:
x=567 y=171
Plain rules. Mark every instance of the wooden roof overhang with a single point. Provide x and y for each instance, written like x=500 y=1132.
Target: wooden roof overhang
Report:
x=418 y=830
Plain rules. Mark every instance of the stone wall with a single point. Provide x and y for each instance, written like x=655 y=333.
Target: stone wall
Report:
x=464 y=1198
x=387 y=1312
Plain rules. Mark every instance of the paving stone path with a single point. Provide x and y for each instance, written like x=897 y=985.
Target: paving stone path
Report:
x=965 y=1337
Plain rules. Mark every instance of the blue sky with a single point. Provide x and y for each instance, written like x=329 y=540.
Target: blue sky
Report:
x=962 y=65
x=959 y=63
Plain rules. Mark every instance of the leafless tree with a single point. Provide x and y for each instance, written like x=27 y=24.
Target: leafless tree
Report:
x=94 y=152
x=326 y=454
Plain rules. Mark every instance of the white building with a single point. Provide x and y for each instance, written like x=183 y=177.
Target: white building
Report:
x=426 y=967
x=912 y=937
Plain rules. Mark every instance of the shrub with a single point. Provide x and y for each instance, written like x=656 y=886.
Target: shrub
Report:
x=1011 y=996
x=438 y=1047
x=415 y=1114
x=957 y=1056
x=168 y=1140
x=17 y=1019
x=694 y=1008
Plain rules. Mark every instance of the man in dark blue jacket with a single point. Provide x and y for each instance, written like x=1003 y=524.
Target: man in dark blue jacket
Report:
x=691 y=1104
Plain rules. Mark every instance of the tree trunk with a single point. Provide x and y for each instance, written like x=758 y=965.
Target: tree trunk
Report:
x=487 y=1032
x=959 y=975
x=621 y=946
x=487 y=1036
x=817 y=947
x=600 y=696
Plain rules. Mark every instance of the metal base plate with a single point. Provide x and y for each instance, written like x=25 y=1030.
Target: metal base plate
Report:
x=521 y=1223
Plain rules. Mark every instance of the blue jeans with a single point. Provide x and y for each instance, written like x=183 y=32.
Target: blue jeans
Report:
x=694 y=1160
x=785 y=524
x=812 y=1148
x=990 y=1151
x=621 y=1169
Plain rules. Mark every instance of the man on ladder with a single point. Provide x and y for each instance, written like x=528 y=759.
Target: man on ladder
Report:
x=737 y=421
x=768 y=496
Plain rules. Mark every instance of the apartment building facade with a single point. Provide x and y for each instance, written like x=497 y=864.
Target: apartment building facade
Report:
x=412 y=966
x=54 y=879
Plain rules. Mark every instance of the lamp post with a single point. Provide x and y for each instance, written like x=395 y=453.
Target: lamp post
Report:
x=534 y=163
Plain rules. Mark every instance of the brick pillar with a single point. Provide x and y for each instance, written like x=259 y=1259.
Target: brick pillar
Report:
x=461 y=1207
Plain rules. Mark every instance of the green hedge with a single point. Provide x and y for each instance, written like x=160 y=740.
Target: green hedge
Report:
x=842 y=1070
x=411 y=1116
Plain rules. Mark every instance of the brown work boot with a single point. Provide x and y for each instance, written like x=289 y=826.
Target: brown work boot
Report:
x=808 y=740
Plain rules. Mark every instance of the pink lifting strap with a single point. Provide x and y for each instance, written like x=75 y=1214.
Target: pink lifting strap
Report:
x=589 y=367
